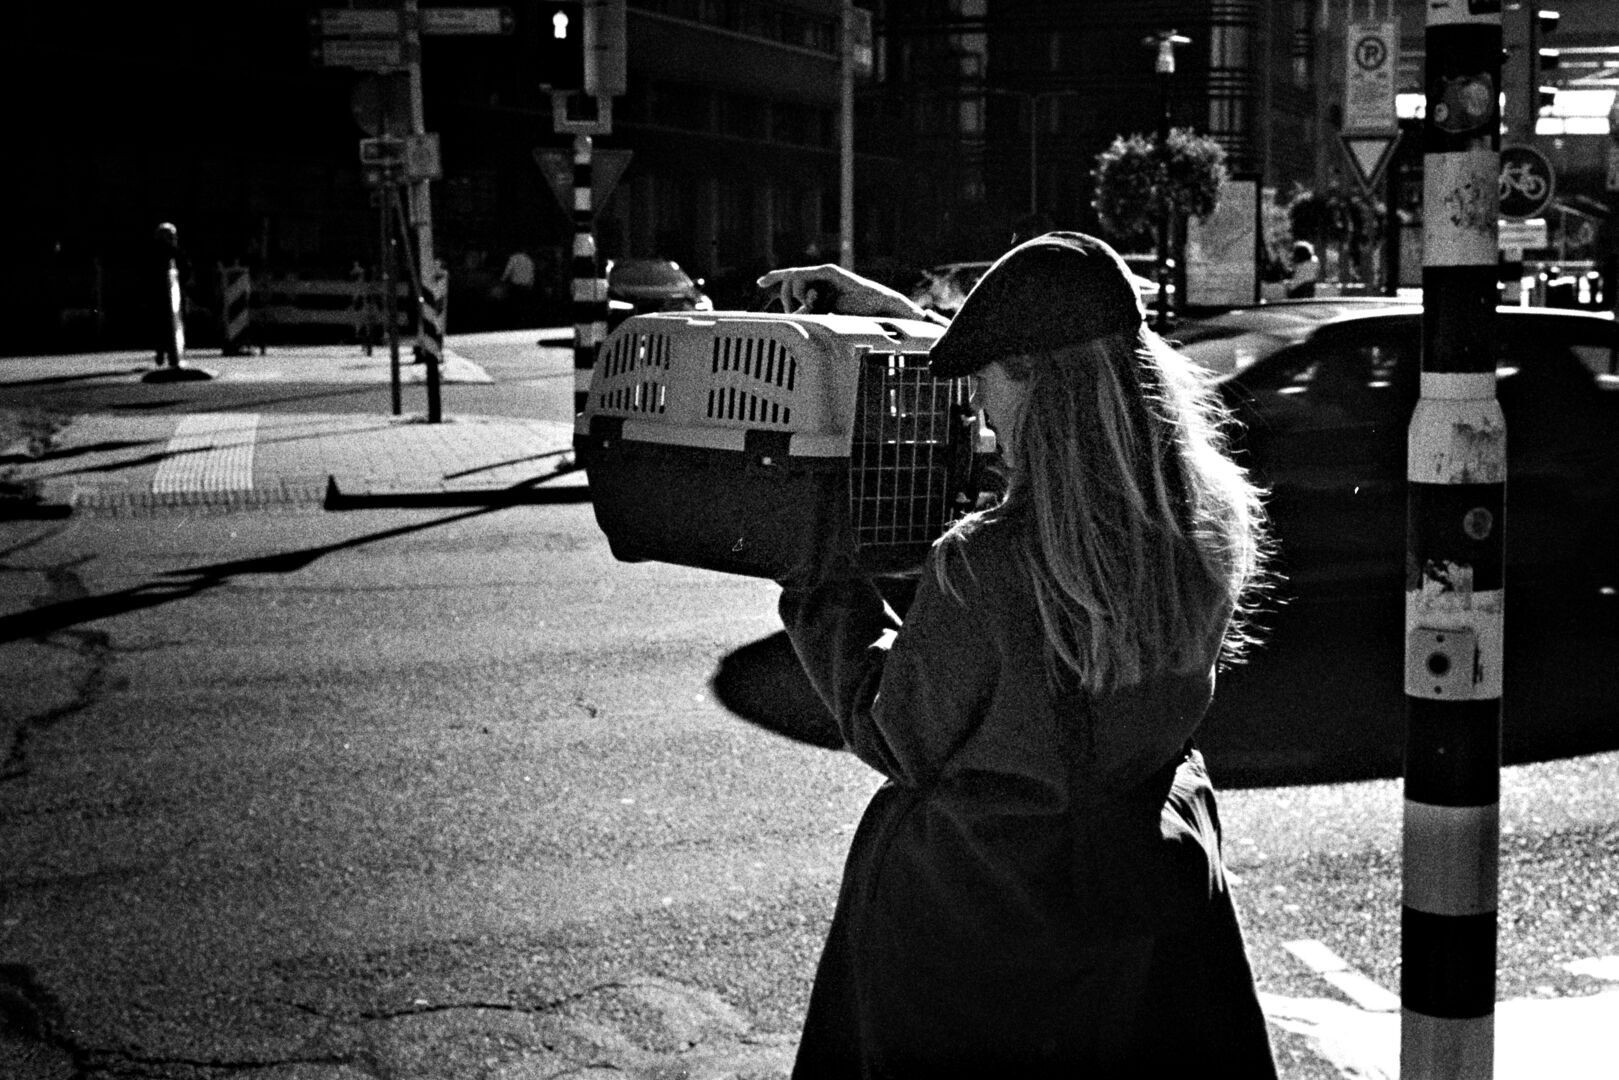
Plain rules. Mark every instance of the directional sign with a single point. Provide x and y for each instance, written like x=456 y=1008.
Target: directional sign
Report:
x=366 y=54
x=606 y=167
x=457 y=21
x=1527 y=182
x=358 y=22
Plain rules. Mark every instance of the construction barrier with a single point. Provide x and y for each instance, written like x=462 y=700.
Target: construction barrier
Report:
x=255 y=307
x=235 y=301
x=435 y=305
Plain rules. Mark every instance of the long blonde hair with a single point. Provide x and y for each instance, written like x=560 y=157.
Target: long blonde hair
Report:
x=1143 y=540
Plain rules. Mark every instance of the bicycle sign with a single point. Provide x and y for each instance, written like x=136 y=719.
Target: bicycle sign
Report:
x=1527 y=182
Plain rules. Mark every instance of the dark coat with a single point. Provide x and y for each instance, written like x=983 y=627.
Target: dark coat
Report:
x=1038 y=886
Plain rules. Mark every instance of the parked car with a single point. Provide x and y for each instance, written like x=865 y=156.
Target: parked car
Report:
x=944 y=287
x=1323 y=400
x=654 y=285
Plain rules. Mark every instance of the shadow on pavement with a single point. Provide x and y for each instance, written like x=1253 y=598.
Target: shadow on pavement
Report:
x=527 y=493
x=1322 y=703
x=40 y=622
x=764 y=684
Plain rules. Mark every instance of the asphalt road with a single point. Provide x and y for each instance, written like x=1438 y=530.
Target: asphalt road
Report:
x=450 y=794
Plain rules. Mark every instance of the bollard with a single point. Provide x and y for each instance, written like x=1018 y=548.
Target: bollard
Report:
x=589 y=287
x=1455 y=497
x=235 y=308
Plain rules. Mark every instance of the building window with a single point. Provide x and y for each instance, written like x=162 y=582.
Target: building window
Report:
x=800 y=125
x=754 y=18
x=679 y=105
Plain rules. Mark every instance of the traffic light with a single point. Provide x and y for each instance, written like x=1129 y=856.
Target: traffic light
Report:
x=561 y=28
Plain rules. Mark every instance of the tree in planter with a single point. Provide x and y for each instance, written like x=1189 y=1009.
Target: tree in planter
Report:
x=1137 y=182
x=1346 y=220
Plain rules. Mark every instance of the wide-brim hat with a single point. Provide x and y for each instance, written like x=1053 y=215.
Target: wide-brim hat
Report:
x=1056 y=290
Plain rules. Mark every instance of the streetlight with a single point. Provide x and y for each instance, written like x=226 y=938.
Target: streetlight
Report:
x=1164 y=42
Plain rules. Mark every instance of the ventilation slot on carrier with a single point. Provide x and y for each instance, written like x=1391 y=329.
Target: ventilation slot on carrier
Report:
x=634 y=351
x=642 y=397
x=764 y=359
x=729 y=403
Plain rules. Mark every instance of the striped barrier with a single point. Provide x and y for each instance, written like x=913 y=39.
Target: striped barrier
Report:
x=589 y=287
x=235 y=309
x=355 y=304
x=430 y=326
x=1455 y=498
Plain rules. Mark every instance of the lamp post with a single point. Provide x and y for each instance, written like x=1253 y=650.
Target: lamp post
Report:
x=1164 y=43
x=1034 y=98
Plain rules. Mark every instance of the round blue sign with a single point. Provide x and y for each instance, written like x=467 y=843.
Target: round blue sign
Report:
x=1527 y=182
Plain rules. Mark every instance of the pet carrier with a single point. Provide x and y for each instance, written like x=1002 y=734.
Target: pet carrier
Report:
x=765 y=444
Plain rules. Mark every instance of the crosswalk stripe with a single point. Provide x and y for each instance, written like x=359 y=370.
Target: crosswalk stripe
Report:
x=208 y=452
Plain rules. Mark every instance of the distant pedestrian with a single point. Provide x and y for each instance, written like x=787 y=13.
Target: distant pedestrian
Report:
x=1038 y=889
x=1306 y=272
x=515 y=290
x=168 y=277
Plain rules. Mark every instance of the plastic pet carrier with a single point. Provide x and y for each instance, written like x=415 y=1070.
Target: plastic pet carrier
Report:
x=763 y=444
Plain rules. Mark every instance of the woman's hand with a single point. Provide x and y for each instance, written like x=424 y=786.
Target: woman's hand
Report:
x=839 y=291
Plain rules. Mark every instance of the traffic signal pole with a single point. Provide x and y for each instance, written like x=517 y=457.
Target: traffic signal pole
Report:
x=582 y=62
x=1456 y=494
x=589 y=287
x=421 y=217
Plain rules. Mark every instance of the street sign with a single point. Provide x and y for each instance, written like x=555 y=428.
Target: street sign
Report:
x=459 y=21
x=358 y=22
x=858 y=40
x=1369 y=155
x=1369 y=78
x=422 y=160
x=1517 y=235
x=380 y=103
x=382 y=150
x=1527 y=182
x=366 y=54
x=606 y=167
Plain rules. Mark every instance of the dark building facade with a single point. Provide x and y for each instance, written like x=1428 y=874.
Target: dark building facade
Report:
x=1004 y=106
x=213 y=116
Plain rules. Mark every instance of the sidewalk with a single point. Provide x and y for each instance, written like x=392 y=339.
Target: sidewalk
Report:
x=117 y=463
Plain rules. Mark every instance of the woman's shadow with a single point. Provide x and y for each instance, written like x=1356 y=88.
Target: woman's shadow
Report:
x=764 y=684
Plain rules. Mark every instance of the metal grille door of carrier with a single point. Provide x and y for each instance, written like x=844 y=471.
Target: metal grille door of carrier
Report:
x=905 y=443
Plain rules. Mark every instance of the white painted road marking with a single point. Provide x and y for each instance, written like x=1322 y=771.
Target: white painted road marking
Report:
x=1568 y=1038
x=1357 y=987
x=208 y=452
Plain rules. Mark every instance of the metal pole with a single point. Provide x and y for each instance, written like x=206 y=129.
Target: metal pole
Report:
x=428 y=343
x=1034 y=157
x=589 y=288
x=390 y=295
x=1456 y=494
x=1164 y=42
x=846 y=140
x=1163 y=213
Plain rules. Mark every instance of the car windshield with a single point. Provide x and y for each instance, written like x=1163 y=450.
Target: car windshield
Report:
x=648 y=273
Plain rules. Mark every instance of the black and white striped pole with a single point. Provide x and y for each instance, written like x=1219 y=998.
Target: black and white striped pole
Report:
x=1456 y=495
x=589 y=287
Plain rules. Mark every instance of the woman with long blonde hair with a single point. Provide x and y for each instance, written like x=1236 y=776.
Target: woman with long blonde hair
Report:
x=1038 y=886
